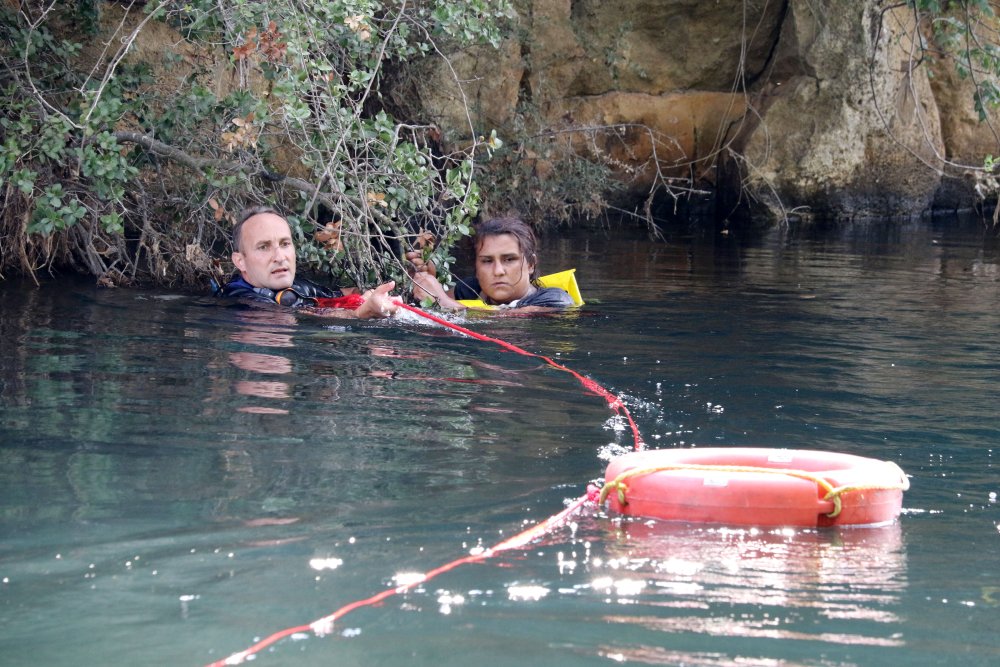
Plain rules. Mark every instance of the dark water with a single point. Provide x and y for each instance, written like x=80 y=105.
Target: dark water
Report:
x=179 y=478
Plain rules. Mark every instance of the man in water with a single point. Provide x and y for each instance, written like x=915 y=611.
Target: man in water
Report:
x=264 y=253
x=506 y=272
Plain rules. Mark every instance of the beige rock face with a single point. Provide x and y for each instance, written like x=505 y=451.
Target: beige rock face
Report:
x=591 y=47
x=648 y=86
x=670 y=135
x=477 y=90
x=850 y=133
x=815 y=108
x=805 y=106
x=175 y=62
x=967 y=139
x=656 y=76
x=172 y=59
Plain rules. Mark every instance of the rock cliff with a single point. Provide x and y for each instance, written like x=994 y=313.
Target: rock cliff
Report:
x=803 y=108
x=800 y=108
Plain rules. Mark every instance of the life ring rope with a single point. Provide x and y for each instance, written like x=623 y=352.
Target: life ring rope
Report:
x=832 y=493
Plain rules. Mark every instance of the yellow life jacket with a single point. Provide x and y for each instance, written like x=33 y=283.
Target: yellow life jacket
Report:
x=564 y=280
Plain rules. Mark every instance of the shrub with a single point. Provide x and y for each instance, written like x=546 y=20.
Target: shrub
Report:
x=130 y=169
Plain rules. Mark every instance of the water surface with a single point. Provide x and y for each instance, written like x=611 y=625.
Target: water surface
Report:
x=181 y=477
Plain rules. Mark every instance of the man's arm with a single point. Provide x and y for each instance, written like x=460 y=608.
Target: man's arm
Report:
x=378 y=304
x=426 y=285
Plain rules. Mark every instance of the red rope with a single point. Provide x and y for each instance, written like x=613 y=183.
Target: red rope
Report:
x=324 y=625
x=613 y=401
x=349 y=302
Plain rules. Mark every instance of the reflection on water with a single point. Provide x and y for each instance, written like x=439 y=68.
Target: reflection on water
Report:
x=265 y=329
x=179 y=476
x=801 y=579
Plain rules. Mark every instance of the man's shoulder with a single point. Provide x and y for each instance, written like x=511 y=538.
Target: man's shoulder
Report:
x=239 y=288
x=305 y=287
x=467 y=288
x=547 y=297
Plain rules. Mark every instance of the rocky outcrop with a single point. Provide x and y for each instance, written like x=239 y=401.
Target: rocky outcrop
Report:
x=809 y=109
x=803 y=108
x=967 y=139
x=847 y=125
x=645 y=86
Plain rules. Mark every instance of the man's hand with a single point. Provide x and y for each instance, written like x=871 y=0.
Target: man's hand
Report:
x=378 y=303
x=416 y=260
x=426 y=285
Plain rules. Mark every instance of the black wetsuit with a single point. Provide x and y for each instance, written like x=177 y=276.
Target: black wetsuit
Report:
x=302 y=292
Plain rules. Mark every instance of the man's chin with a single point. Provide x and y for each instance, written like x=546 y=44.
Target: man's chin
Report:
x=280 y=282
x=500 y=296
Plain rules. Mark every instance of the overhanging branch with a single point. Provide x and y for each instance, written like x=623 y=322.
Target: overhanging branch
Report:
x=200 y=164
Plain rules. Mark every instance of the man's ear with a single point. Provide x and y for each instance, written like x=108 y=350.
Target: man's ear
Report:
x=239 y=261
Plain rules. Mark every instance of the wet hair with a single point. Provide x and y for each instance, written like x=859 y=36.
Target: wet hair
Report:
x=245 y=215
x=517 y=228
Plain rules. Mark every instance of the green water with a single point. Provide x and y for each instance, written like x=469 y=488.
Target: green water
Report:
x=179 y=478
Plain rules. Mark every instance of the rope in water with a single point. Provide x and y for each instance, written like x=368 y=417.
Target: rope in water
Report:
x=613 y=401
x=323 y=626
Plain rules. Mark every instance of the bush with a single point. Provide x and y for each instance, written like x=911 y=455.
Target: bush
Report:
x=132 y=169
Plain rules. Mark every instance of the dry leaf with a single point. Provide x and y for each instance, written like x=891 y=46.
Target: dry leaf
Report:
x=217 y=208
x=424 y=239
x=248 y=47
x=329 y=236
x=245 y=136
x=359 y=26
x=196 y=257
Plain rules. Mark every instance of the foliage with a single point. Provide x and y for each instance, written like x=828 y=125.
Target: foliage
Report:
x=552 y=174
x=129 y=168
x=964 y=30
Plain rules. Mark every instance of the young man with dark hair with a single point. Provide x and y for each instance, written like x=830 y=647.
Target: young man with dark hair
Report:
x=506 y=271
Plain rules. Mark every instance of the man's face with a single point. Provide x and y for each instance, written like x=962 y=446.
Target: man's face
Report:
x=267 y=254
x=504 y=273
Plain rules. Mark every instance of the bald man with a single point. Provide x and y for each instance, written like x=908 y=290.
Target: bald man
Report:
x=264 y=253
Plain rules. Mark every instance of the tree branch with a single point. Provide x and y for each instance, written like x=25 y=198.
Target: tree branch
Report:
x=200 y=164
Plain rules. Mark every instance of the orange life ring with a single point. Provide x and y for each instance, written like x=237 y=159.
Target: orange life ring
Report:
x=755 y=486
